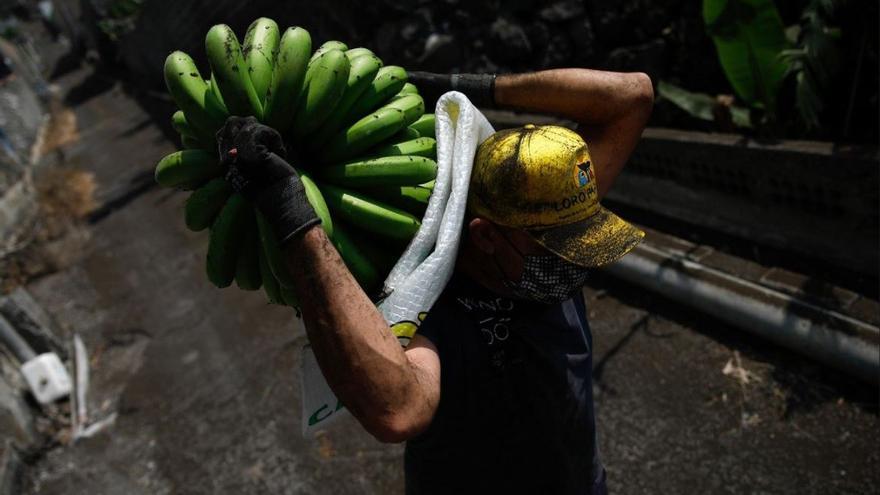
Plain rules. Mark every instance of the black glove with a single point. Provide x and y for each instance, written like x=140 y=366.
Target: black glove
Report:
x=253 y=154
x=479 y=88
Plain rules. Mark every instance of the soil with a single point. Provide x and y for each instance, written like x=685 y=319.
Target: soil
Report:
x=56 y=235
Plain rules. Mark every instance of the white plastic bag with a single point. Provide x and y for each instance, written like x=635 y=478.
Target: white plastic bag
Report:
x=424 y=269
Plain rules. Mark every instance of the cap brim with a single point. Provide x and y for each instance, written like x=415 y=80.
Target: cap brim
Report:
x=593 y=242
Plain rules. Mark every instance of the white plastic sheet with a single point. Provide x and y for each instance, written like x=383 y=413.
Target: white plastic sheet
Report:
x=424 y=269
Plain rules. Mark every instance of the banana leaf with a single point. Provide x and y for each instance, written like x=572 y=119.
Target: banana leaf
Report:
x=749 y=37
x=815 y=61
x=700 y=105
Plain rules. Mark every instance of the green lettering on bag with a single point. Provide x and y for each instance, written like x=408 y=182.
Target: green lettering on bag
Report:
x=315 y=419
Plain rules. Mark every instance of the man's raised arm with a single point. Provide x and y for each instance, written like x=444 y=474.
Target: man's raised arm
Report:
x=611 y=109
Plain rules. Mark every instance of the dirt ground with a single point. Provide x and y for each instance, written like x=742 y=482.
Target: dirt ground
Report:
x=206 y=389
x=689 y=405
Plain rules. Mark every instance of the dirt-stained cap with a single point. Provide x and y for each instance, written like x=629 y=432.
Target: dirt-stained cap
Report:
x=540 y=179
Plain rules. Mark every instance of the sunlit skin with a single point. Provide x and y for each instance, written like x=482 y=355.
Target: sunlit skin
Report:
x=394 y=392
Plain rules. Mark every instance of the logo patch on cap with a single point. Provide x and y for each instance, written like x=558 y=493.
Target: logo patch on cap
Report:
x=583 y=173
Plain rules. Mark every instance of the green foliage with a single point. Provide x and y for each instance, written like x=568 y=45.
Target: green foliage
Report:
x=120 y=17
x=814 y=61
x=701 y=105
x=749 y=38
x=9 y=32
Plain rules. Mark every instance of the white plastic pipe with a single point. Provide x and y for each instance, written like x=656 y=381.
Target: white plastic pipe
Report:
x=827 y=336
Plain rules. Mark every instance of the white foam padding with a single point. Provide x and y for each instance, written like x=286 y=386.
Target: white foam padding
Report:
x=424 y=269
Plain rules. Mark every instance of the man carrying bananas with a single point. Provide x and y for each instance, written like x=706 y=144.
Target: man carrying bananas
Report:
x=494 y=392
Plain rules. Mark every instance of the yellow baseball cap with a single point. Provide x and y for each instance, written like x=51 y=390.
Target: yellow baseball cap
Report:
x=540 y=179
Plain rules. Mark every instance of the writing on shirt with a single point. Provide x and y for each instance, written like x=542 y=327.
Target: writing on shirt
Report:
x=498 y=304
x=492 y=316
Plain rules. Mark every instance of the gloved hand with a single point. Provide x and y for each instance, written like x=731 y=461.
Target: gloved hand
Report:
x=254 y=155
x=479 y=88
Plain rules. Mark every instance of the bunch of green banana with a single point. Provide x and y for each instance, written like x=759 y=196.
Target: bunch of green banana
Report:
x=363 y=143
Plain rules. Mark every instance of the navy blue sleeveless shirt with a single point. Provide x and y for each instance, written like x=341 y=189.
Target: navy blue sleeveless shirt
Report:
x=516 y=399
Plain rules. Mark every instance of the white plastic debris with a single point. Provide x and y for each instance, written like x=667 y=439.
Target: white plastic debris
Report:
x=46 y=377
x=79 y=411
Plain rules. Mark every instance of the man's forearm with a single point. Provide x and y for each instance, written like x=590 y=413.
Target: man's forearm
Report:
x=391 y=392
x=589 y=97
x=361 y=359
x=611 y=109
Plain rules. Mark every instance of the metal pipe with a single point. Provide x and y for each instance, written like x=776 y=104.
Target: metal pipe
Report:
x=835 y=339
x=17 y=345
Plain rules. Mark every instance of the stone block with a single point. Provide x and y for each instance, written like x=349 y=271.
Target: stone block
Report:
x=10 y=469
x=16 y=418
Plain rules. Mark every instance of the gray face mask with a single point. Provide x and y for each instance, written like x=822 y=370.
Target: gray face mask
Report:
x=547 y=279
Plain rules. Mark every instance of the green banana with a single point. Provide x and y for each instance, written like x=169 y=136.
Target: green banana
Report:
x=363 y=71
x=369 y=214
x=413 y=199
x=387 y=170
x=259 y=50
x=412 y=105
x=188 y=89
x=373 y=129
x=365 y=133
x=382 y=254
x=364 y=121
x=326 y=47
x=205 y=203
x=192 y=143
x=357 y=262
x=388 y=81
x=270 y=283
x=425 y=125
x=214 y=99
x=187 y=168
x=422 y=146
x=272 y=251
x=325 y=82
x=358 y=52
x=409 y=89
x=247 y=268
x=190 y=138
x=316 y=199
x=231 y=72
x=227 y=234
x=179 y=123
x=287 y=79
x=405 y=134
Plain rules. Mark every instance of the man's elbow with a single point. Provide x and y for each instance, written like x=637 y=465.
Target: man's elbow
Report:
x=396 y=428
x=642 y=93
x=390 y=434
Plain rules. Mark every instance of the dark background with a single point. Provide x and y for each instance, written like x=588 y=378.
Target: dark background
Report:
x=665 y=39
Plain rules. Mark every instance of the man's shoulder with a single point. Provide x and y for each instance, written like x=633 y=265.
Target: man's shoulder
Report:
x=453 y=306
